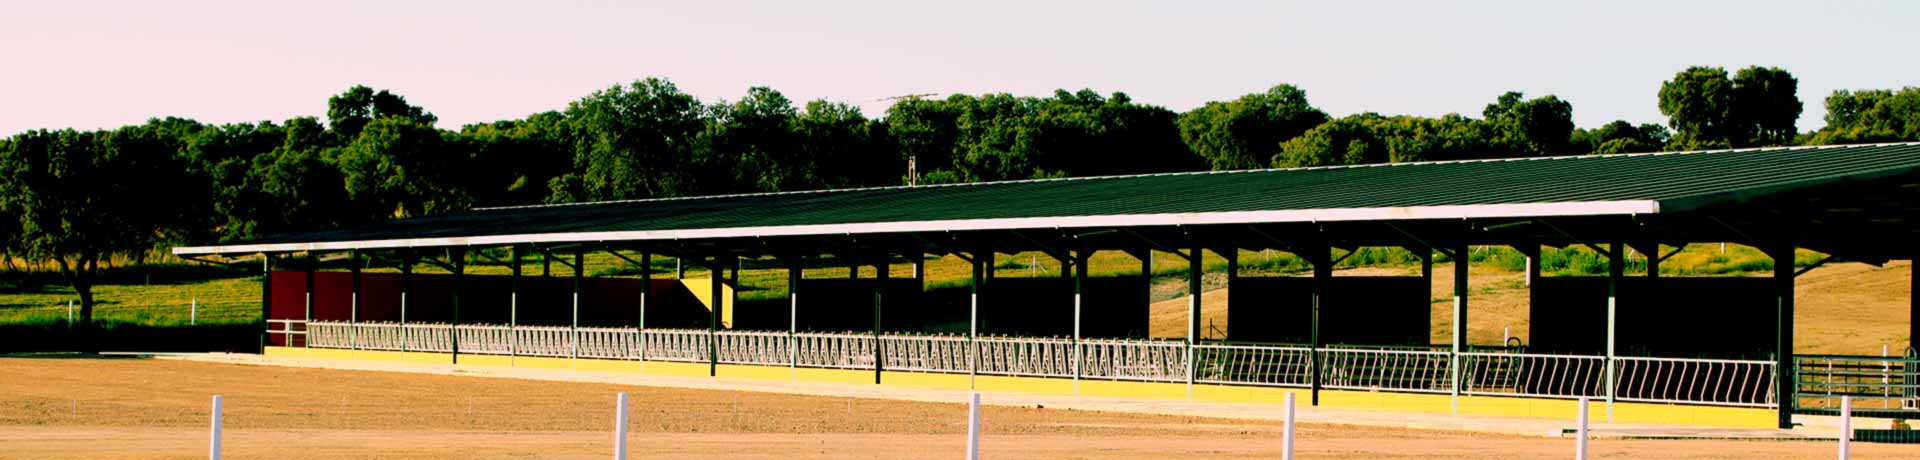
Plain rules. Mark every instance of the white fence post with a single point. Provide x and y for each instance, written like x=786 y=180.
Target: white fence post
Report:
x=69 y=312
x=620 y=428
x=1846 y=426
x=193 y=312
x=213 y=442
x=973 y=428
x=1580 y=444
x=1286 y=438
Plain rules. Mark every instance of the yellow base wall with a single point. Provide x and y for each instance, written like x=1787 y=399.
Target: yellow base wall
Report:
x=1432 y=403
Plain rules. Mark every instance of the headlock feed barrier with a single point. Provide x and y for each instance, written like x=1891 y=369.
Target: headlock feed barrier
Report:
x=1715 y=382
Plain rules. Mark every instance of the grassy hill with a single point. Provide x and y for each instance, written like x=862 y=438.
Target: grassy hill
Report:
x=1844 y=308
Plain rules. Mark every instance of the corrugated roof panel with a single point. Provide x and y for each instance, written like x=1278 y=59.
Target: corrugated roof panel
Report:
x=1676 y=181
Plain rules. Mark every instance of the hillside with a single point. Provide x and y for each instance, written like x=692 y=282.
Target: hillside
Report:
x=1840 y=309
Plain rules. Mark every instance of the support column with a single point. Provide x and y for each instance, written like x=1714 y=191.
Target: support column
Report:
x=1194 y=270
x=1783 y=272
x=1653 y=260
x=1233 y=277
x=312 y=262
x=880 y=274
x=713 y=317
x=679 y=268
x=1079 y=283
x=1146 y=291
x=1616 y=269
x=513 y=301
x=795 y=272
x=406 y=287
x=1322 y=262
x=353 y=306
x=1462 y=262
x=973 y=317
x=1913 y=306
x=459 y=273
x=266 y=299
x=646 y=291
x=573 y=327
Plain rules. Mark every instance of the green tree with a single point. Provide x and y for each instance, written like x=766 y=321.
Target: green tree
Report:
x=1869 y=116
x=81 y=197
x=351 y=111
x=1709 y=110
x=749 y=146
x=400 y=167
x=630 y=142
x=841 y=148
x=1766 y=105
x=1619 y=137
x=1530 y=127
x=1246 y=133
x=515 y=160
x=927 y=132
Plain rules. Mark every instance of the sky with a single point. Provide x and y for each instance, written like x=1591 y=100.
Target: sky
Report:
x=86 y=64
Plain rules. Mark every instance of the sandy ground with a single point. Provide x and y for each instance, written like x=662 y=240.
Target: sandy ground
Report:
x=56 y=408
x=1843 y=308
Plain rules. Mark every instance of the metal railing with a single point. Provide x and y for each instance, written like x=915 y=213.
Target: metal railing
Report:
x=288 y=330
x=1259 y=365
x=926 y=353
x=1879 y=385
x=683 y=345
x=1138 y=360
x=834 y=351
x=485 y=339
x=753 y=347
x=1025 y=356
x=1417 y=371
x=1533 y=375
x=1888 y=384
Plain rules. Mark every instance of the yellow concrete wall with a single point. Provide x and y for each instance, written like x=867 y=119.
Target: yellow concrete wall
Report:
x=703 y=290
x=1431 y=403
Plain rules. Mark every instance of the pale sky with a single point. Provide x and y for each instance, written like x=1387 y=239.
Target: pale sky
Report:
x=84 y=64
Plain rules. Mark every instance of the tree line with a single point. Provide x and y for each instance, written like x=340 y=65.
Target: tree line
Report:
x=69 y=198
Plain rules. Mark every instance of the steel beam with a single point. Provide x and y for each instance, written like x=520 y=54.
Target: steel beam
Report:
x=646 y=293
x=1194 y=271
x=573 y=331
x=1616 y=269
x=353 y=307
x=459 y=256
x=880 y=273
x=795 y=271
x=1322 y=274
x=513 y=300
x=1782 y=255
x=1462 y=262
x=716 y=271
x=266 y=299
x=312 y=264
x=1079 y=283
x=973 y=316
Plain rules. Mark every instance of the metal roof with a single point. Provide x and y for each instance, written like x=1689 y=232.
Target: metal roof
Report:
x=1595 y=185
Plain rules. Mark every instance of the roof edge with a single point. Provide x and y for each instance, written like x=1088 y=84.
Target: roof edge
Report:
x=1478 y=211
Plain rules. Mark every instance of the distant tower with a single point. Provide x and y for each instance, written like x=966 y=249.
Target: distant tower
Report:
x=913 y=159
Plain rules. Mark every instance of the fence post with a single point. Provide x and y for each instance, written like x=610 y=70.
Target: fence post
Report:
x=1580 y=444
x=193 y=312
x=620 y=428
x=213 y=441
x=973 y=428
x=69 y=312
x=1846 y=426
x=1286 y=438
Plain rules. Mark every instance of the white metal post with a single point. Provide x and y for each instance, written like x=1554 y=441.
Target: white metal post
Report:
x=1580 y=444
x=69 y=312
x=193 y=312
x=1286 y=438
x=213 y=441
x=973 y=428
x=1846 y=426
x=620 y=428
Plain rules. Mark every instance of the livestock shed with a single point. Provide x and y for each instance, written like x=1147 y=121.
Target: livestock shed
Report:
x=1647 y=347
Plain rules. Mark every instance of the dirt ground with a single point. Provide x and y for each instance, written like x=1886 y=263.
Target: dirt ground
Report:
x=1843 y=308
x=127 y=408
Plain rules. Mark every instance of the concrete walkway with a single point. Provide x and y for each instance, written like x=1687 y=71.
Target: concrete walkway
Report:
x=1813 y=427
